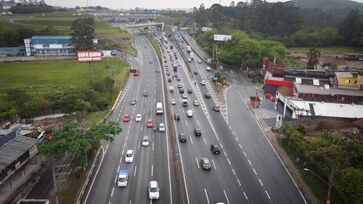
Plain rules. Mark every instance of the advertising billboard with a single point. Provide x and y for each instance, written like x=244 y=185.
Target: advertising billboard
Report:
x=222 y=38
x=89 y=56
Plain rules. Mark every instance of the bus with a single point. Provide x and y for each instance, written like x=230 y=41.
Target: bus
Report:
x=159 y=108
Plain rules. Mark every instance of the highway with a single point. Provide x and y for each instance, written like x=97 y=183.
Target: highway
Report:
x=262 y=174
x=151 y=162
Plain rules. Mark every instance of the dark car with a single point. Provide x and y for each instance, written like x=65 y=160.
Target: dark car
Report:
x=195 y=73
x=176 y=116
x=182 y=137
x=169 y=79
x=181 y=90
x=207 y=94
x=215 y=149
x=206 y=165
x=178 y=78
x=197 y=132
x=145 y=93
x=190 y=91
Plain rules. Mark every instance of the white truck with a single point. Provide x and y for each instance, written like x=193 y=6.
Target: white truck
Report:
x=189 y=49
x=192 y=56
x=123 y=176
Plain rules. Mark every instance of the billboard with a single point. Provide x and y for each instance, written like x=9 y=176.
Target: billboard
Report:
x=222 y=37
x=89 y=56
x=206 y=29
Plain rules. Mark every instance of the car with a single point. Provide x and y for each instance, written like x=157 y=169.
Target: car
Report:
x=145 y=93
x=180 y=85
x=157 y=70
x=154 y=190
x=189 y=59
x=197 y=132
x=133 y=101
x=208 y=69
x=176 y=116
x=126 y=118
x=149 y=123
x=189 y=91
x=189 y=113
x=169 y=79
x=129 y=157
x=145 y=141
x=178 y=78
x=171 y=88
x=150 y=62
x=167 y=74
x=182 y=137
x=202 y=83
x=215 y=149
x=199 y=61
x=130 y=59
x=207 y=94
x=136 y=74
x=195 y=73
x=181 y=90
x=196 y=102
x=138 y=118
x=205 y=163
x=165 y=61
x=162 y=127
x=184 y=96
x=173 y=101
x=216 y=108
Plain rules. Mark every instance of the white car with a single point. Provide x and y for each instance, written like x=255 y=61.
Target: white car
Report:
x=145 y=141
x=153 y=189
x=138 y=118
x=189 y=113
x=129 y=156
x=202 y=83
x=171 y=88
x=196 y=102
x=199 y=61
x=173 y=101
x=208 y=69
x=162 y=127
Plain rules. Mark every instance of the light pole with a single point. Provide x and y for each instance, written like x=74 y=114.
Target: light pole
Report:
x=328 y=183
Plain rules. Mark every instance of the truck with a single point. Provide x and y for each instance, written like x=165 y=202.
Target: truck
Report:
x=189 y=49
x=192 y=56
x=123 y=176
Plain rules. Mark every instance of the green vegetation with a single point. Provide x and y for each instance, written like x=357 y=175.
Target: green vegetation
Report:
x=83 y=33
x=329 y=50
x=155 y=46
x=43 y=87
x=173 y=20
x=326 y=152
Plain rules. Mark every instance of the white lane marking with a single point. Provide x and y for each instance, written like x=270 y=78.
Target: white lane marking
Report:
x=191 y=141
x=135 y=171
x=130 y=202
x=152 y=170
x=244 y=193
x=118 y=168
x=221 y=145
x=205 y=141
x=113 y=189
x=187 y=125
x=107 y=146
x=233 y=172
x=249 y=162
x=121 y=157
x=229 y=162
x=225 y=194
x=254 y=171
x=109 y=202
x=115 y=179
x=153 y=146
x=206 y=195
x=94 y=178
x=239 y=183
x=196 y=159
x=267 y=195
x=260 y=181
x=245 y=153
x=240 y=146
x=214 y=164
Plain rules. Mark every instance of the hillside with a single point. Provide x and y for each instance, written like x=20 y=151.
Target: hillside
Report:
x=329 y=4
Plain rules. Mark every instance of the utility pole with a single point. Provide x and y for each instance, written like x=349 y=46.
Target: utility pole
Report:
x=330 y=184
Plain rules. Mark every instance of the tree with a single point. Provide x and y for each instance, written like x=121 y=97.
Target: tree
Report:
x=83 y=34
x=77 y=142
x=351 y=28
x=351 y=183
x=313 y=58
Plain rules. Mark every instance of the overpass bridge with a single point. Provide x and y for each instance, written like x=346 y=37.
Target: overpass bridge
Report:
x=161 y=25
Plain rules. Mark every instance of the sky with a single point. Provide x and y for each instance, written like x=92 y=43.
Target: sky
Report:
x=156 y=4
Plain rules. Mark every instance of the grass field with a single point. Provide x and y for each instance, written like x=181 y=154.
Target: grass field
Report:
x=171 y=21
x=330 y=50
x=156 y=46
x=41 y=77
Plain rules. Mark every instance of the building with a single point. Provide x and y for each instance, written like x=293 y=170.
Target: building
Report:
x=49 y=46
x=348 y=80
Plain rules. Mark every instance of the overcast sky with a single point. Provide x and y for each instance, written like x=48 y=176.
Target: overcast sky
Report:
x=126 y=4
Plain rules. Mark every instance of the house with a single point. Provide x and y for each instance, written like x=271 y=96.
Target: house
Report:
x=348 y=80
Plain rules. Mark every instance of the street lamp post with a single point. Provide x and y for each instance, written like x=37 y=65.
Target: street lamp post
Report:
x=328 y=183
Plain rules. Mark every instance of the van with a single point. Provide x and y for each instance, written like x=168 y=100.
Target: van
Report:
x=159 y=108
x=189 y=113
x=185 y=102
x=171 y=88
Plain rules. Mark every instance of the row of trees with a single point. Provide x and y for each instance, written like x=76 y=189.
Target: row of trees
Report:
x=326 y=153
x=40 y=7
x=243 y=50
x=285 y=22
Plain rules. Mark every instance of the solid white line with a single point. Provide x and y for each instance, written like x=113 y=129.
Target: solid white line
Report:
x=152 y=170
x=94 y=178
x=130 y=202
x=118 y=168
x=260 y=181
x=109 y=202
x=229 y=162
x=267 y=195
x=225 y=194
x=113 y=189
x=121 y=156
x=206 y=195
x=205 y=141
x=236 y=138
x=214 y=164
x=196 y=159
x=115 y=179
x=239 y=183
x=107 y=146
x=221 y=145
x=135 y=171
x=244 y=193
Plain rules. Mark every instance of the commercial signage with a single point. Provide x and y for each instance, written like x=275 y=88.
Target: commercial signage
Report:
x=89 y=56
x=222 y=38
x=206 y=29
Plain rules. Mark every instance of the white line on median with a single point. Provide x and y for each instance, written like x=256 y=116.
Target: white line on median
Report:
x=214 y=164
x=244 y=193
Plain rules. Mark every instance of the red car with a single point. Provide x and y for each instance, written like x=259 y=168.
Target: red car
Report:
x=126 y=118
x=149 y=123
x=136 y=74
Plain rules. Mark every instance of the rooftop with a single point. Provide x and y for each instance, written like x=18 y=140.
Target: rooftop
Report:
x=50 y=37
x=14 y=149
x=343 y=74
x=323 y=91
